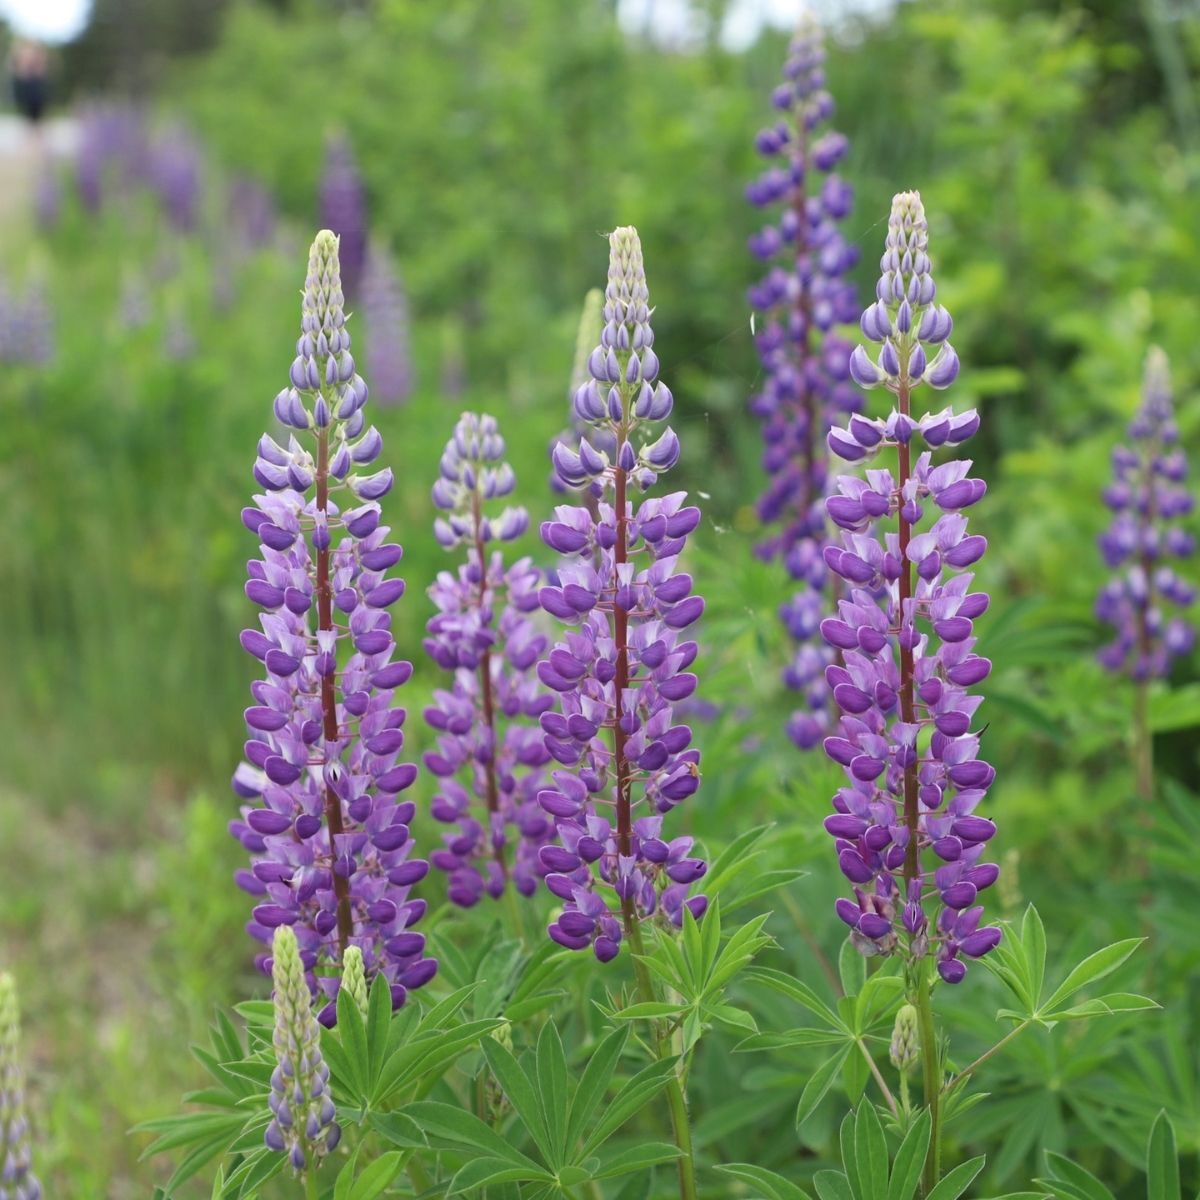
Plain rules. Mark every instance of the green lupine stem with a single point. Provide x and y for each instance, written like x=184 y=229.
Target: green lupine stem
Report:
x=311 y=1190
x=931 y=1074
x=676 y=1101
x=418 y=1175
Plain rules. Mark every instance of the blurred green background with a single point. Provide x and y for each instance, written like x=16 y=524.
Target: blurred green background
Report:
x=1055 y=146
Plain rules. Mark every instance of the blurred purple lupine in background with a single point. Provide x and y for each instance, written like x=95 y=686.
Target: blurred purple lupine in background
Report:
x=113 y=150
x=906 y=827
x=621 y=665
x=302 y=1110
x=48 y=198
x=806 y=387
x=17 y=1181
x=251 y=212
x=26 y=324
x=384 y=308
x=329 y=841
x=342 y=205
x=175 y=175
x=490 y=752
x=1148 y=498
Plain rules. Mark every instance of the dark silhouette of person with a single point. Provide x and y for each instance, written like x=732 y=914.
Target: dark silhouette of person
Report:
x=30 y=69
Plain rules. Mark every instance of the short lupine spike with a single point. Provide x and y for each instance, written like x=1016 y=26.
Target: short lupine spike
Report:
x=1149 y=498
x=354 y=978
x=906 y=825
x=17 y=1180
x=490 y=753
x=303 y=1116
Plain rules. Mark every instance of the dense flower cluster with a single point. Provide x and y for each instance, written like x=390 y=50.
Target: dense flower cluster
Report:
x=906 y=827
x=806 y=388
x=17 y=1181
x=343 y=209
x=385 y=317
x=490 y=752
x=302 y=1110
x=1148 y=497
x=329 y=839
x=622 y=664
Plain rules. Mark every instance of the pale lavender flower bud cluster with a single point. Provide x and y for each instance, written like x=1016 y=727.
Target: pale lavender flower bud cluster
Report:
x=328 y=836
x=623 y=663
x=386 y=321
x=490 y=752
x=1148 y=498
x=343 y=208
x=806 y=387
x=906 y=824
x=303 y=1124
x=590 y=324
x=17 y=1180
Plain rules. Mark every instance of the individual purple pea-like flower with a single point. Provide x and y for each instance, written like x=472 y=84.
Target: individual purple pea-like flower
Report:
x=17 y=1180
x=343 y=209
x=490 y=753
x=386 y=324
x=624 y=659
x=303 y=1124
x=906 y=827
x=590 y=324
x=1148 y=498
x=327 y=833
x=806 y=385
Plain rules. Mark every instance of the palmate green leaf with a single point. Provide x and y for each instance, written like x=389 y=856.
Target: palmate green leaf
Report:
x=1094 y=967
x=352 y=1034
x=876 y=1000
x=870 y=1153
x=456 y=1128
x=734 y=859
x=593 y=1084
x=378 y=1176
x=187 y=1129
x=744 y=943
x=636 y=1158
x=648 y=1010
x=630 y=1099
x=1073 y=1179
x=761 y=883
x=522 y=1094
x=852 y=969
x=832 y=1185
x=1174 y=708
x=732 y=1017
x=551 y=1065
x=1162 y=1161
x=193 y=1161
x=428 y=1056
x=791 y=1038
x=398 y=1129
x=765 y=1183
x=379 y=1018
x=910 y=1159
x=956 y=1181
x=799 y=991
x=486 y=1172
x=819 y=1083
x=252 y=1172
x=1111 y=1005
x=546 y=965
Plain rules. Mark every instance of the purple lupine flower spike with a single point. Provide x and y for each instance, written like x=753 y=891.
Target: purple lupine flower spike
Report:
x=175 y=174
x=17 y=1180
x=1148 y=498
x=623 y=662
x=806 y=387
x=385 y=320
x=490 y=753
x=906 y=824
x=328 y=836
x=343 y=208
